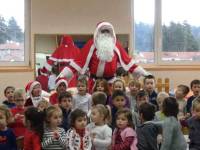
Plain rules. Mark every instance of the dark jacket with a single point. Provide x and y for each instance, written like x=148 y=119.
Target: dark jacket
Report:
x=147 y=136
x=194 y=132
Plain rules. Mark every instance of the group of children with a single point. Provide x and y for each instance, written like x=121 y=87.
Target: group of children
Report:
x=110 y=118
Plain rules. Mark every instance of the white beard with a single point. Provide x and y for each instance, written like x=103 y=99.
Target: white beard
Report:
x=105 y=47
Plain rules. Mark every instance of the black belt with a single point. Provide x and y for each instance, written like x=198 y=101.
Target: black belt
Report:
x=95 y=77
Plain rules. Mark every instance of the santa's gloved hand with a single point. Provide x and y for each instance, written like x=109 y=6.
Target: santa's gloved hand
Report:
x=139 y=71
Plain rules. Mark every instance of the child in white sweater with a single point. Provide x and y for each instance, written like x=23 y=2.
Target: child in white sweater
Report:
x=100 y=132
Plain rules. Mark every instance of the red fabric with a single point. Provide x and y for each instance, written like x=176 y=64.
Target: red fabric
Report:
x=120 y=144
x=18 y=126
x=54 y=98
x=67 y=50
x=28 y=102
x=81 y=132
x=110 y=67
x=43 y=79
x=31 y=141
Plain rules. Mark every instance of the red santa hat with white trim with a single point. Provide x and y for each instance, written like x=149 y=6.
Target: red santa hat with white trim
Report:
x=61 y=80
x=104 y=25
x=29 y=87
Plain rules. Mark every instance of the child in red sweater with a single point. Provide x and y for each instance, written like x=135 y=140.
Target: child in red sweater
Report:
x=34 y=123
x=18 y=115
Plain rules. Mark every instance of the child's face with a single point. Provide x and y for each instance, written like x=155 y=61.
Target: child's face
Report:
x=100 y=87
x=118 y=86
x=141 y=100
x=81 y=88
x=179 y=93
x=121 y=121
x=61 y=88
x=149 y=85
x=133 y=89
x=81 y=122
x=37 y=90
x=3 y=121
x=66 y=102
x=197 y=112
x=96 y=116
x=160 y=102
x=19 y=101
x=196 y=89
x=10 y=94
x=119 y=101
x=56 y=119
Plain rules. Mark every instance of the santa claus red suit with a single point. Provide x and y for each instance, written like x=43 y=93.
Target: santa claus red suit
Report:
x=43 y=78
x=102 y=55
x=63 y=55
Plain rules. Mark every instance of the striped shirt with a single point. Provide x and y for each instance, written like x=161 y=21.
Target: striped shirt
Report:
x=51 y=143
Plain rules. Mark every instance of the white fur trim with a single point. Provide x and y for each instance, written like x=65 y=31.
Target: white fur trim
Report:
x=47 y=66
x=125 y=66
x=60 y=60
x=92 y=48
x=75 y=66
x=100 y=69
x=61 y=81
x=107 y=26
x=66 y=72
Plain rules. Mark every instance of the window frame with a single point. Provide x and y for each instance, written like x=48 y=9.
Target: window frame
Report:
x=158 y=62
x=23 y=65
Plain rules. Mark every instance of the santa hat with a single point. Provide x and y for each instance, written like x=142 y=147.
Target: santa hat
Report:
x=104 y=25
x=29 y=87
x=61 y=80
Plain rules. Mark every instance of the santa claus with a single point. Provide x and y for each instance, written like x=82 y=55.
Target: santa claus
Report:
x=102 y=55
x=63 y=55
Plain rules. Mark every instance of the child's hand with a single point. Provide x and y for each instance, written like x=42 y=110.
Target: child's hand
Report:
x=56 y=135
x=92 y=135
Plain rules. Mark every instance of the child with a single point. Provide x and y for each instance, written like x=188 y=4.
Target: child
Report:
x=159 y=116
x=118 y=84
x=102 y=86
x=9 y=94
x=18 y=115
x=54 y=137
x=173 y=138
x=118 y=102
x=149 y=87
x=34 y=93
x=7 y=137
x=195 y=87
x=148 y=131
x=181 y=92
x=124 y=136
x=60 y=86
x=82 y=99
x=194 y=126
x=78 y=136
x=100 y=133
x=134 y=87
x=43 y=105
x=65 y=104
x=34 y=123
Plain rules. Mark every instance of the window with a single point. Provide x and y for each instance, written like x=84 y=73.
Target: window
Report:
x=167 y=31
x=14 y=35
